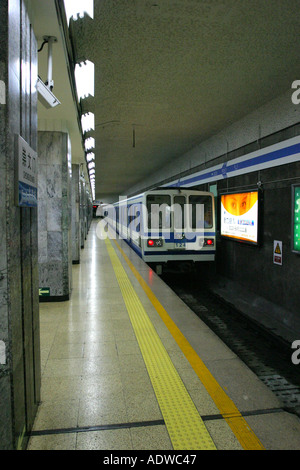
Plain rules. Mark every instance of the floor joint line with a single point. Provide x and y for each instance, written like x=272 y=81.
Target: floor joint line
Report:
x=137 y=424
x=103 y=427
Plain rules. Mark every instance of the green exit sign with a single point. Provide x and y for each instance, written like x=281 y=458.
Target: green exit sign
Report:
x=44 y=291
x=296 y=218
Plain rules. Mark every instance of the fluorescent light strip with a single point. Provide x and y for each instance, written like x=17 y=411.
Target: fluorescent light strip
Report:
x=88 y=122
x=89 y=143
x=90 y=157
x=85 y=79
x=79 y=7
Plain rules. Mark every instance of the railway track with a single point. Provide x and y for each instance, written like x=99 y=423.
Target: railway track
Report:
x=267 y=356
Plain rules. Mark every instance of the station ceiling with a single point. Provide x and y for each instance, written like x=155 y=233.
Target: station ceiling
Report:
x=64 y=117
x=171 y=73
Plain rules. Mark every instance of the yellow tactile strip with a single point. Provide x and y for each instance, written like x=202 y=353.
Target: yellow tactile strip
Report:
x=184 y=424
x=229 y=411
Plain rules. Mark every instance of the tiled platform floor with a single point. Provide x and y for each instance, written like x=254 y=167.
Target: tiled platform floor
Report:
x=93 y=373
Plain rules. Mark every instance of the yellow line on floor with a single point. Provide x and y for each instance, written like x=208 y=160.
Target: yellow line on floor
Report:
x=184 y=424
x=229 y=411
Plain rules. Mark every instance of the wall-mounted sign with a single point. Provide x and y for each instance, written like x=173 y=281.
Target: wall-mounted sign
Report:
x=239 y=216
x=296 y=218
x=277 y=252
x=26 y=180
x=44 y=291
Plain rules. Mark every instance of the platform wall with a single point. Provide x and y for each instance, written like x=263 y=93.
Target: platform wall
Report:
x=19 y=304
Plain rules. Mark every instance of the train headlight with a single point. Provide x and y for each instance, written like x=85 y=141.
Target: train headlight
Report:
x=155 y=242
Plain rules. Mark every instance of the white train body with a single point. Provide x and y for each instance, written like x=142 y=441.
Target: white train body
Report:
x=165 y=225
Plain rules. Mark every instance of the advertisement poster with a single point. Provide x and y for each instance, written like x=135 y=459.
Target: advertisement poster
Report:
x=239 y=216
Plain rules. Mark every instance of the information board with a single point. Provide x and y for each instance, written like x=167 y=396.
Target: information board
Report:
x=26 y=180
x=296 y=218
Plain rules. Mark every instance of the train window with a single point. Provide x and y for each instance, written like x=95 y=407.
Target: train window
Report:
x=134 y=217
x=123 y=215
x=179 y=204
x=201 y=207
x=158 y=208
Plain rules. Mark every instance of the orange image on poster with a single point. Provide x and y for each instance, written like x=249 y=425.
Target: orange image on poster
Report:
x=239 y=204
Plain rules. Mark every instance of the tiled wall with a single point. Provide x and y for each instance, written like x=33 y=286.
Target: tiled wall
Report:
x=19 y=304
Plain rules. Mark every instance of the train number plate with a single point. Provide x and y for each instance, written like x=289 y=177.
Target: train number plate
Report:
x=180 y=245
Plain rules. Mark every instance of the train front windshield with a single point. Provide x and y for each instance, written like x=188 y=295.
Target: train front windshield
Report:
x=159 y=211
x=201 y=208
x=163 y=212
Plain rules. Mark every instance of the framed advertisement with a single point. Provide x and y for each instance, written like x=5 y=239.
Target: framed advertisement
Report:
x=240 y=216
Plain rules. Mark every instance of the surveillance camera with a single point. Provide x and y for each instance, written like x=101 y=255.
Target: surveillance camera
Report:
x=45 y=95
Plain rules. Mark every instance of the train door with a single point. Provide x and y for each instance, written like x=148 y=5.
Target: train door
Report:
x=134 y=223
x=179 y=218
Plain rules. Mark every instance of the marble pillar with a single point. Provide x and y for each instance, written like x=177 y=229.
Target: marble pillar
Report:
x=75 y=214
x=89 y=209
x=82 y=211
x=54 y=216
x=86 y=212
x=19 y=303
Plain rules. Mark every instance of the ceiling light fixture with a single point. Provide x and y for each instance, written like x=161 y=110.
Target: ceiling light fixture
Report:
x=88 y=122
x=85 y=79
x=89 y=143
x=90 y=157
x=77 y=8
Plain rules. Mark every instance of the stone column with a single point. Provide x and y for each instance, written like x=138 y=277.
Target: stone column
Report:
x=82 y=211
x=54 y=217
x=75 y=214
x=19 y=304
x=89 y=209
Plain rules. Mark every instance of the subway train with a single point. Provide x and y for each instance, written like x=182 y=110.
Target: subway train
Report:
x=99 y=210
x=167 y=224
